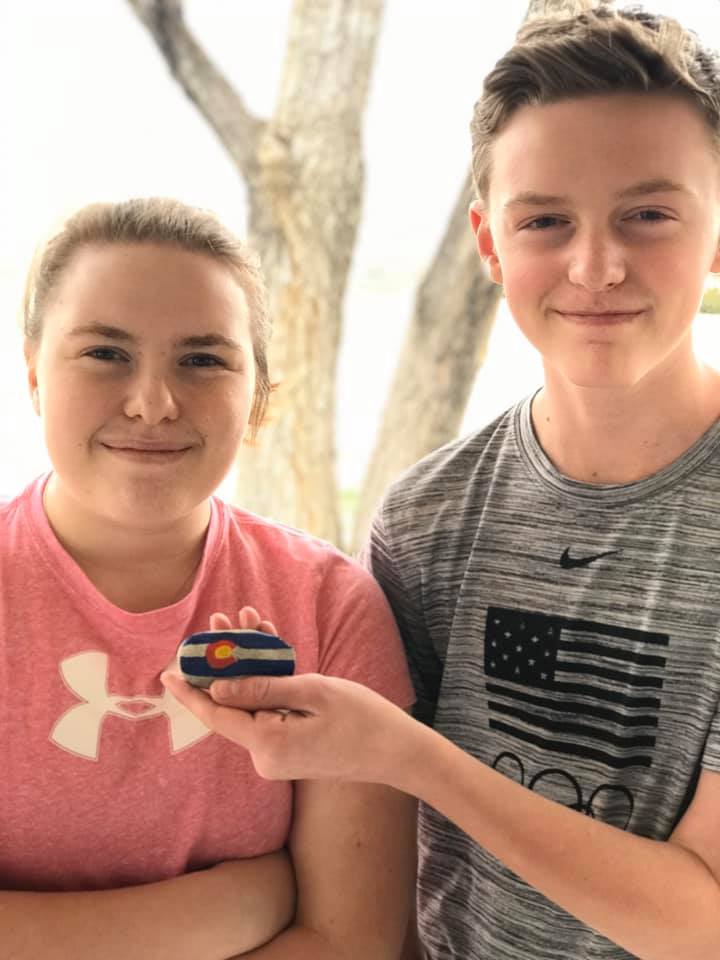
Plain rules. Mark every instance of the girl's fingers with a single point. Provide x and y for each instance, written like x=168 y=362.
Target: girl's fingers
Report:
x=248 y=618
x=219 y=621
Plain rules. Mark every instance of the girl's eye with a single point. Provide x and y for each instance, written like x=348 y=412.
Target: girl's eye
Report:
x=202 y=360
x=543 y=223
x=107 y=354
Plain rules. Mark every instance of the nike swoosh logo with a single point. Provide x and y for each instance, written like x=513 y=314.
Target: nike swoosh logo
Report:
x=568 y=563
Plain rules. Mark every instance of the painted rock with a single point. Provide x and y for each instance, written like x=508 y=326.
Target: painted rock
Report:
x=219 y=654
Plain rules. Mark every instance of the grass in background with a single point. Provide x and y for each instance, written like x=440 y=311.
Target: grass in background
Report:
x=711 y=301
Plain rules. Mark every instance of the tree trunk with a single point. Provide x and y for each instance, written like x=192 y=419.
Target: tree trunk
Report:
x=544 y=8
x=446 y=344
x=303 y=169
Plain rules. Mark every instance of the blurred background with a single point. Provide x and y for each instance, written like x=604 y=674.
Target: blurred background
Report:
x=103 y=99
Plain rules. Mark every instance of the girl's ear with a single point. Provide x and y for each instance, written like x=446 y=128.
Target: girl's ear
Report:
x=715 y=266
x=30 y=352
x=480 y=223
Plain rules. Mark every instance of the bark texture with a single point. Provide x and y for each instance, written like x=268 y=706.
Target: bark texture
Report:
x=445 y=345
x=304 y=174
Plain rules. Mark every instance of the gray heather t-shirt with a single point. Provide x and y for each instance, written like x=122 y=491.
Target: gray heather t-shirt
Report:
x=565 y=634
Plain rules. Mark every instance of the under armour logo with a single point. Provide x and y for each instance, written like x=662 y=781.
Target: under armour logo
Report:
x=79 y=729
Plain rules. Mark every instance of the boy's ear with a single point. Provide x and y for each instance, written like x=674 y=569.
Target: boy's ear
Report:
x=31 y=364
x=480 y=224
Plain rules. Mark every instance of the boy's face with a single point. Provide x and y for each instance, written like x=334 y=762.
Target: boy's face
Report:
x=603 y=222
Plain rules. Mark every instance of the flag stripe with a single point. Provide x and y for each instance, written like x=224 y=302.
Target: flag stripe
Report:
x=574 y=749
x=612 y=653
x=612 y=696
x=607 y=630
x=564 y=726
x=587 y=669
x=572 y=706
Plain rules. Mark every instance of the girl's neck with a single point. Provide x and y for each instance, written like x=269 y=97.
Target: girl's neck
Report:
x=136 y=568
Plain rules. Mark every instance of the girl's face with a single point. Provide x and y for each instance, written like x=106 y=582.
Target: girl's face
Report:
x=144 y=379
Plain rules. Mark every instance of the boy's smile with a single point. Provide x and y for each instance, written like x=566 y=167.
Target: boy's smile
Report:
x=602 y=223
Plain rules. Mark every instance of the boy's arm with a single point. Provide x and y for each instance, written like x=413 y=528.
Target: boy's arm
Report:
x=353 y=850
x=213 y=914
x=658 y=900
x=412 y=948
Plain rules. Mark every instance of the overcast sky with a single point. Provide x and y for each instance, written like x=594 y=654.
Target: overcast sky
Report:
x=92 y=113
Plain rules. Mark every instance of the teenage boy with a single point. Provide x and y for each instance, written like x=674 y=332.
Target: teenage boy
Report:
x=556 y=576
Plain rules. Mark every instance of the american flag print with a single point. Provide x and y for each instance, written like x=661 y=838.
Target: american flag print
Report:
x=574 y=686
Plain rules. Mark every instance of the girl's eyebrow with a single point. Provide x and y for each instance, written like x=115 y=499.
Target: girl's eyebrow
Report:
x=101 y=330
x=117 y=333
x=209 y=340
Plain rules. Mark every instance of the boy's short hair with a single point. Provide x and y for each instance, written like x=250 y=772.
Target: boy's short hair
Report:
x=595 y=51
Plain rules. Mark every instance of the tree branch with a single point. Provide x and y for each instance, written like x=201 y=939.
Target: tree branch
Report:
x=445 y=345
x=237 y=128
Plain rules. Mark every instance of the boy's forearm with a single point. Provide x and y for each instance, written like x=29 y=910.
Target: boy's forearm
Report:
x=657 y=900
x=215 y=914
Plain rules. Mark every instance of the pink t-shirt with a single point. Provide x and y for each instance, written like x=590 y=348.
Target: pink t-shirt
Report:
x=105 y=779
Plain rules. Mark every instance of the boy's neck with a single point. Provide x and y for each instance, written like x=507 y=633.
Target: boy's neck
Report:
x=607 y=435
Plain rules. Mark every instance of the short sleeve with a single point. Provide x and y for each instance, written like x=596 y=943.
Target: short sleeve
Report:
x=711 y=753
x=393 y=575
x=359 y=639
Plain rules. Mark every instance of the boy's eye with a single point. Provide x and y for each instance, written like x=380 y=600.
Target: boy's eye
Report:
x=543 y=223
x=202 y=360
x=107 y=354
x=649 y=216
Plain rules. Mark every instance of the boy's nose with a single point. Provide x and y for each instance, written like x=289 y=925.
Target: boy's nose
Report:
x=597 y=263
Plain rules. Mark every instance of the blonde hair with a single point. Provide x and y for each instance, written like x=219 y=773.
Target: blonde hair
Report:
x=595 y=51
x=157 y=220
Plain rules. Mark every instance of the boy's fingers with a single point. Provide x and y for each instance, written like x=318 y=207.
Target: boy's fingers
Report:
x=190 y=697
x=234 y=724
x=265 y=693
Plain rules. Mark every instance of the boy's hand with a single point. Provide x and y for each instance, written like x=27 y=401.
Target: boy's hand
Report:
x=307 y=727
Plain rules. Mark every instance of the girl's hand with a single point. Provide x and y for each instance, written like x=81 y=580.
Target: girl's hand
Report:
x=248 y=619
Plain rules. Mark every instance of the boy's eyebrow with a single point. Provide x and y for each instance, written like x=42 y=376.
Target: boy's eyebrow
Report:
x=658 y=185
x=209 y=340
x=529 y=198
x=117 y=333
